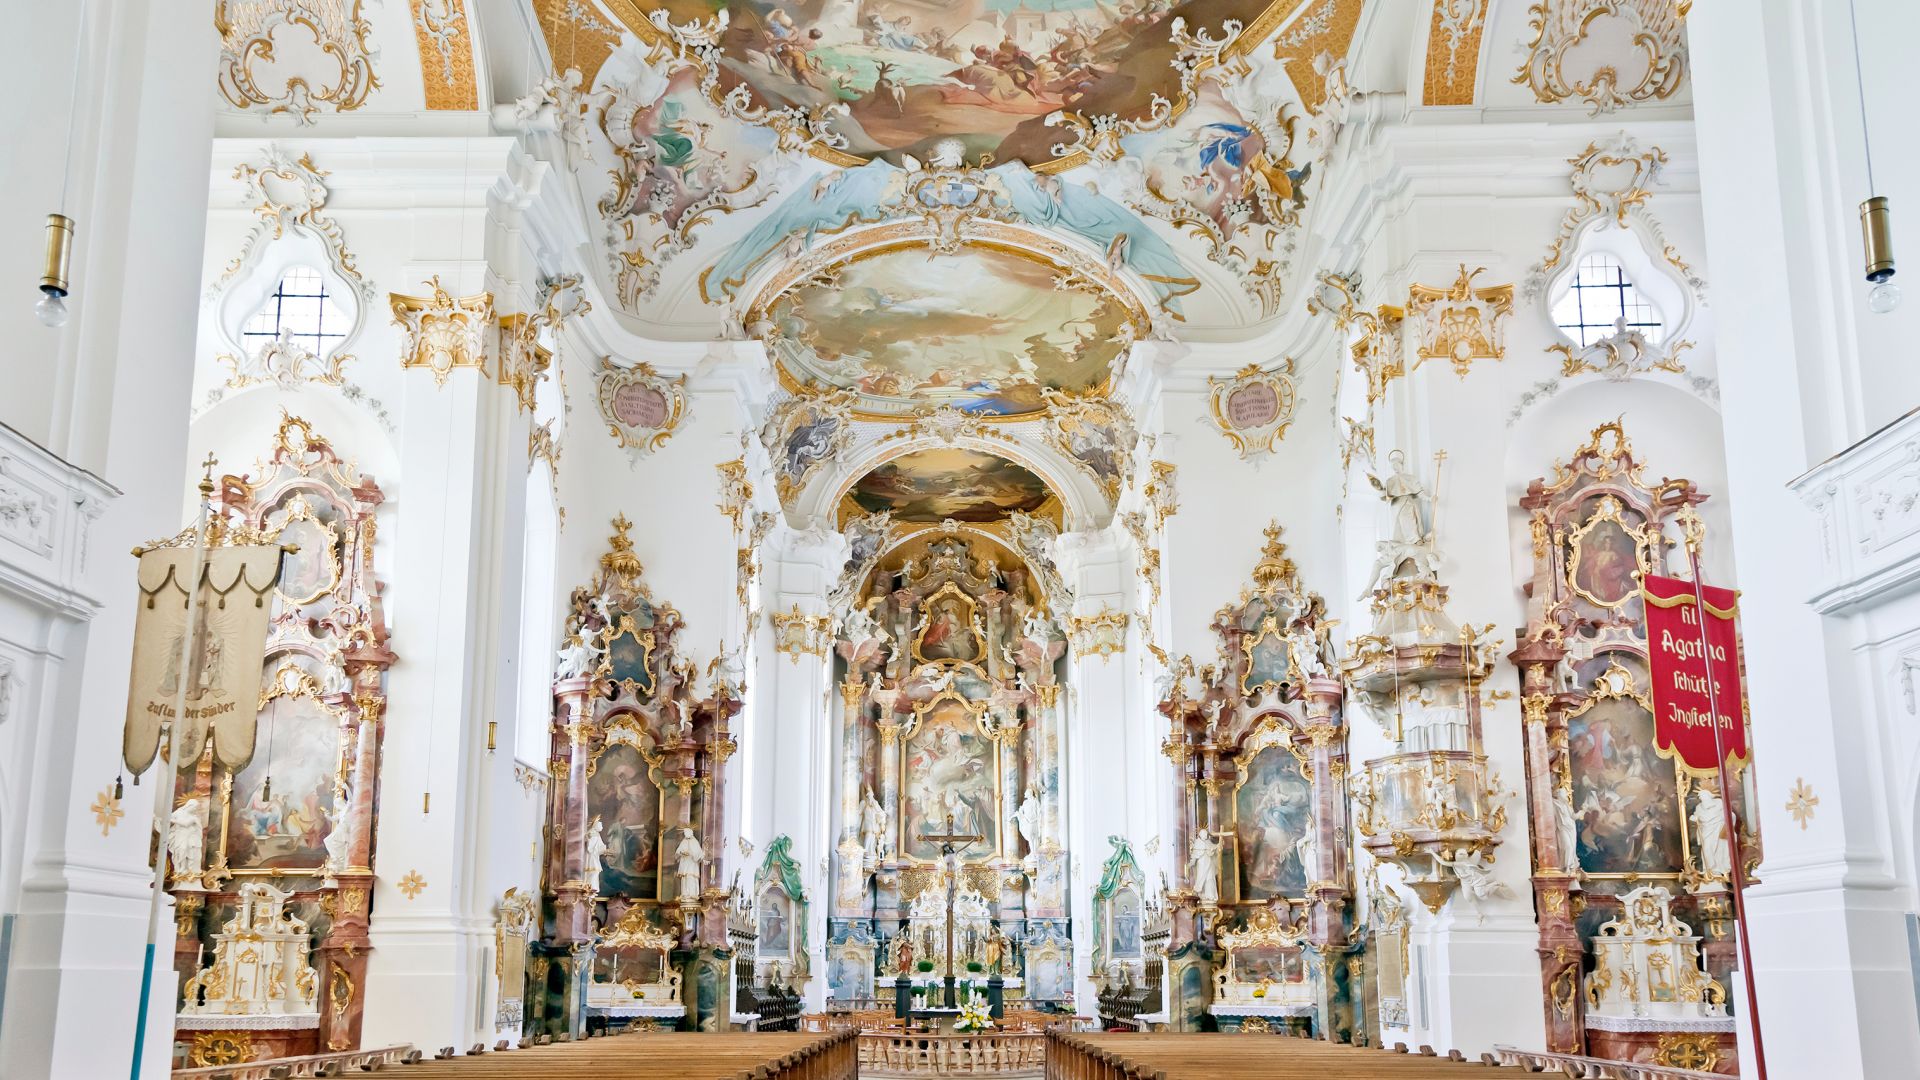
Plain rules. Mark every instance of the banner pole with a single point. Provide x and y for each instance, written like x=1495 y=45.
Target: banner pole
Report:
x=168 y=775
x=1729 y=819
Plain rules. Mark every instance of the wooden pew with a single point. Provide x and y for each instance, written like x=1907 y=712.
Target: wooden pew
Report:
x=660 y=1056
x=1166 y=1056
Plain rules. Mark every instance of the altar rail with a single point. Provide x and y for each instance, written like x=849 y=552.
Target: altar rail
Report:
x=1158 y=1056
x=1590 y=1068
x=304 y=1066
x=994 y=1053
x=655 y=1056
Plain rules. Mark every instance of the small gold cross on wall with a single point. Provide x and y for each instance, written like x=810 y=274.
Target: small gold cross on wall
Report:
x=1801 y=801
x=411 y=884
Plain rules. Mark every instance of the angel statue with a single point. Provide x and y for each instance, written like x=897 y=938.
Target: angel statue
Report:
x=1203 y=859
x=577 y=659
x=1475 y=872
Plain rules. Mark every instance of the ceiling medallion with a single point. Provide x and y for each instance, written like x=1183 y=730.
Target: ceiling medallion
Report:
x=311 y=52
x=1567 y=57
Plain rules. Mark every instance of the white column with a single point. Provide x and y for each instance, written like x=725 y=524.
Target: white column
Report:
x=1774 y=95
x=109 y=394
x=1111 y=767
x=796 y=729
x=454 y=606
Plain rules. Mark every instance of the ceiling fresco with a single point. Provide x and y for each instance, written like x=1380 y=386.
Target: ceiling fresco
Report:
x=910 y=73
x=928 y=486
x=982 y=329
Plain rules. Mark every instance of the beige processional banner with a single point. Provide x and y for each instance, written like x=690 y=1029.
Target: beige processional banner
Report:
x=222 y=668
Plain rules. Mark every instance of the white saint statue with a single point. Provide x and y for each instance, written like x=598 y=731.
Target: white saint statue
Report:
x=1407 y=498
x=187 y=841
x=1307 y=847
x=1710 y=827
x=1566 y=835
x=688 y=858
x=1204 y=860
x=338 y=839
x=873 y=825
x=1027 y=819
x=596 y=857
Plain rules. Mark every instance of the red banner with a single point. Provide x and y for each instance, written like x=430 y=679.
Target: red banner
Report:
x=1682 y=659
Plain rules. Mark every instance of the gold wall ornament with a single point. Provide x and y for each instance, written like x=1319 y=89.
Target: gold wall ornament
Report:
x=1096 y=432
x=1162 y=492
x=1461 y=323
x=1317 y=29
x=1453 y=51
x=276 y=40
x=642 y=409
x=443 y=332
x=1103 y=635
x=1570 y=56
x=441 y=30
x=1254 y=408
x=411 y=885
x=736 y=491
x=1800 y=803
x=796 y=634
x=106 y=810
x=524 y=361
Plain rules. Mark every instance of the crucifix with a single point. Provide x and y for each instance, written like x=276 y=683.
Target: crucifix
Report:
x=951 y=844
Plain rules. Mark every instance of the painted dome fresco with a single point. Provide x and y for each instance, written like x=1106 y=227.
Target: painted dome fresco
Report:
x=984 y=329
x=965 y=485
x=904 y=75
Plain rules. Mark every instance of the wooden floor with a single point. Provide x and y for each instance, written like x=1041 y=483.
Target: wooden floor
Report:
x=648 y=1056
x=1229 y=1057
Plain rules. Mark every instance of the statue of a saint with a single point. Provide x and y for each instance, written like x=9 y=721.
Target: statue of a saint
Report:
x=1203 y=860
x=1566 y=835
x=996 y=949
x=596 y=857
x=1027 y=818
x=187 y=842
x=1710 y=827
x=688 y=858
x=1408 y=500
x=338 y=839
x=873 y=825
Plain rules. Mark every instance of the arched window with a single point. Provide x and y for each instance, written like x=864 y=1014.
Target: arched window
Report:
x=1600 y=299
x=300 y=310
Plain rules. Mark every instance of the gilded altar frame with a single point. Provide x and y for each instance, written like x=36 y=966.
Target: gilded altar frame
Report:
x=976 y=712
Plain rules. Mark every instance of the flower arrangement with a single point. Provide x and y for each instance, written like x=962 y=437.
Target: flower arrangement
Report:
x=974 y=1017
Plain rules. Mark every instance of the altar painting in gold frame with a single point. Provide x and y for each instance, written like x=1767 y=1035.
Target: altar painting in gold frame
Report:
x=1272 y=815
x=278 y=810
x=1626 y=798
x=949 y=765
x=624 y=795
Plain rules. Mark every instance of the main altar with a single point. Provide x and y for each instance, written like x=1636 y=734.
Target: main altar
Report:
x=949 y=867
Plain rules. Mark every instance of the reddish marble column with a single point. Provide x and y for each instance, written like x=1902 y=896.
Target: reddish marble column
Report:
x=1561 y=949
x=567 y=820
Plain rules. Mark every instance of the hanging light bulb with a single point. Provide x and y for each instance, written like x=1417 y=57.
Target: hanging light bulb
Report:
x=1876 y=230
x=52 y=308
